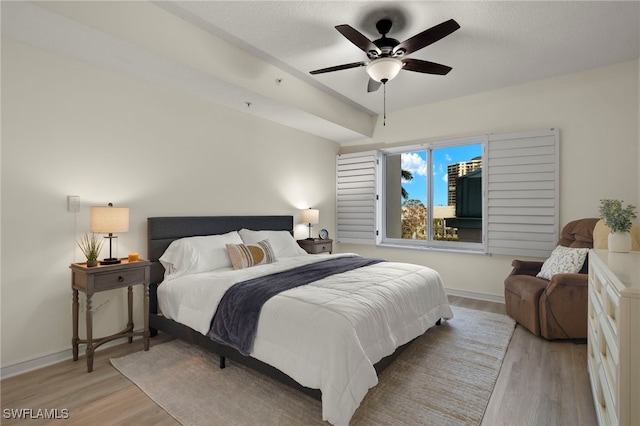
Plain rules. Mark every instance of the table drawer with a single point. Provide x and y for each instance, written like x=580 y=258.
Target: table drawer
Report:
x=320 y=248
x=316 y=246
x=118 y=279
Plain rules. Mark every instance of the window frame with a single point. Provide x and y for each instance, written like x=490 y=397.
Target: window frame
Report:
x=430 y=244
x=521 y=180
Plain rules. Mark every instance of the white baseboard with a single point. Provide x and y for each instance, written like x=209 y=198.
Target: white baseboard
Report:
x=50 y=359
x=473 y=295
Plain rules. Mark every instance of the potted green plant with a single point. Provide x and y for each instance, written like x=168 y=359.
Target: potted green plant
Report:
x=618 y=219
x=91 y=244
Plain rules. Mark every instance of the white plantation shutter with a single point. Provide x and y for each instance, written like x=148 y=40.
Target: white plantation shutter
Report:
x=356 y=198
x=521 y=197
x=523 y=193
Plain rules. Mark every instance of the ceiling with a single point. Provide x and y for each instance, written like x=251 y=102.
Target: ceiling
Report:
x=499 y=44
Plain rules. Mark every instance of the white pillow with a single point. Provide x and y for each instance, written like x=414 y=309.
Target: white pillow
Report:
x=198 y=254
x=281 y=242
x=563 y=260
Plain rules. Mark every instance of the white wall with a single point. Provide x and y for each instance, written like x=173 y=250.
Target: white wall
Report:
x=69 y=128
x=597 y=114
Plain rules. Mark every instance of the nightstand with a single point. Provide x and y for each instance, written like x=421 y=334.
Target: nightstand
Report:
x=108 y=277
x=316 y=246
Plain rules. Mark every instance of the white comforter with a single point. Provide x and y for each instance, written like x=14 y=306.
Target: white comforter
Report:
x=326 y=335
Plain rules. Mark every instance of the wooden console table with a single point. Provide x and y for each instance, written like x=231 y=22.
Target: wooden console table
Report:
x=108 y=277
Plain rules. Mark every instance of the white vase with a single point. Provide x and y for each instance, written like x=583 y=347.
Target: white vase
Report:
x=619 y=242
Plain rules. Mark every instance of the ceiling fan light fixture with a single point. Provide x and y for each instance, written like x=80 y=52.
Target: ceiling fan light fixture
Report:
x=384 y=69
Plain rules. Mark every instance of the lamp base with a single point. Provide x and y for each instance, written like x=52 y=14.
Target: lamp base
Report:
x=309 y=239
x=110 y=261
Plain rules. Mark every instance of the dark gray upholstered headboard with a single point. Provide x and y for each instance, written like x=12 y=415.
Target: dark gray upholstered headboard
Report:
x=161 y=231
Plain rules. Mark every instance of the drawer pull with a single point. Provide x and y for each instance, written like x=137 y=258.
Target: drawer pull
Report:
x=120 y=279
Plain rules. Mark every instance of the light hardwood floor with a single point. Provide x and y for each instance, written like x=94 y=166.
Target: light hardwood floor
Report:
x=541 y=383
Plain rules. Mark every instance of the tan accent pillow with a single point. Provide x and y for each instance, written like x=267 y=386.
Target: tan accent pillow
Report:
x=247 y=255
x=601 y=236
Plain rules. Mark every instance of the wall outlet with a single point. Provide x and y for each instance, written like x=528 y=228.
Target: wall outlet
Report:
x=73 y=203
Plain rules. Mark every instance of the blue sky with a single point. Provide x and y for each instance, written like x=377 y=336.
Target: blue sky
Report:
x=416 y=163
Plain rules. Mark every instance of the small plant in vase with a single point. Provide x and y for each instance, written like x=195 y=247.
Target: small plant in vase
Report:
x=618 y=219
x=91 y=244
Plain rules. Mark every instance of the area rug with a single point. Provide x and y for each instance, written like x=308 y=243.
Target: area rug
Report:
x=445 y=377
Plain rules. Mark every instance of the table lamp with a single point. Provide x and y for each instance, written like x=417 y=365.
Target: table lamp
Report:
x=310 y=216
x=108 y=220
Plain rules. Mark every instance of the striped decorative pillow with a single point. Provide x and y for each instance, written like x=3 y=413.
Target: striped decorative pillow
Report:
x=246 y=255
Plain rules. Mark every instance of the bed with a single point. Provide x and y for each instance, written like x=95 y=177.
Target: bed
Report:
x=316 y=337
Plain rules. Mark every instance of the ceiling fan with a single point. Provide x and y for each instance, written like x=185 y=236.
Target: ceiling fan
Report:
x=387 y=55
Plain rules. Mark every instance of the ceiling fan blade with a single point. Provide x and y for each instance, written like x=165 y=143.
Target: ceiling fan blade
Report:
x=373 y=85
x=355 y=37
x=427 y=37
x=339 y=67
x=418 y=65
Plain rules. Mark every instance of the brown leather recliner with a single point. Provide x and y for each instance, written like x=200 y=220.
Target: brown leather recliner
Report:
x=556 y=308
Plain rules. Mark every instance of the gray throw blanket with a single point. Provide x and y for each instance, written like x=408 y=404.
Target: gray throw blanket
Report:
x=236 y=319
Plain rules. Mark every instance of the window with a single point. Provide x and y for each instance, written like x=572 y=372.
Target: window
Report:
x=516 y=211
x=432 y=195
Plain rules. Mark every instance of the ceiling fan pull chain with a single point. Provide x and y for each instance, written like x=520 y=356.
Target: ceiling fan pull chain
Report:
x=384 y=101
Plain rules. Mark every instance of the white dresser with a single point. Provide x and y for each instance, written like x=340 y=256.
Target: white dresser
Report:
x=614 y=336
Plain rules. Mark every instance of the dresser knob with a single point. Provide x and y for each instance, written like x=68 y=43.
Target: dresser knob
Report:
x=120 y=279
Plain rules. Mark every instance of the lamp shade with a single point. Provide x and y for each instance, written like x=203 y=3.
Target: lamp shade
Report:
x=384 y=69
x=310 y=216
x=105 y=220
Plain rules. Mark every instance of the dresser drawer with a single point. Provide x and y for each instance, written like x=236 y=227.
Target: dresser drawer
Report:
x=598 y=395
x=612 y=309
x=592 y=345
x=595 y=305
x=610 y=356
x=118 y=279
x=595 y=281
x=607 y=405
x=596 y=297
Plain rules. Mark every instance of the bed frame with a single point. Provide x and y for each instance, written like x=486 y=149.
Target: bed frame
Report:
x=163 y=230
